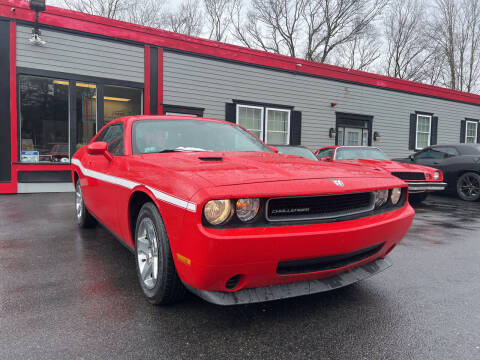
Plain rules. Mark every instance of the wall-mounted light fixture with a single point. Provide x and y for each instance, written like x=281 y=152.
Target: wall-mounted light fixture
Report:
x=332 y=133
x=37 y=6
x=376 y=136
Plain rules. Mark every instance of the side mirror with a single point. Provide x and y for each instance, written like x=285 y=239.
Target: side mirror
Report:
x=411 y=157
x=326 y=158
x=99 y=148
x=273 y=148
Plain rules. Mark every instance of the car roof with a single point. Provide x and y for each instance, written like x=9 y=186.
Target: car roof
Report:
x=166 y=117
x=465 y=149
x=289 y=146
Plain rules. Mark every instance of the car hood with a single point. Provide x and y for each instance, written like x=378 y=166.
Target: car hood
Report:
x=391 y=166
x=232 y=168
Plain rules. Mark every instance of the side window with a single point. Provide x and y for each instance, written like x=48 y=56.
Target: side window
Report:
x=430 y=154
x=449 y=150
x=113 y=136
x=325 y=153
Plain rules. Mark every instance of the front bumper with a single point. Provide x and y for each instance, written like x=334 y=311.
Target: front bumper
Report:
x=283 y=291
x=418 y=187
x=254 y=254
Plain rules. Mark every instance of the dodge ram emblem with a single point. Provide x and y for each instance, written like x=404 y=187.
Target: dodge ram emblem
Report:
x=338 y=183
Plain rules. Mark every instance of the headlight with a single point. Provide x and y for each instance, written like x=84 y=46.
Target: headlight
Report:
x=436 y=175
x=218 y=212
x=381 y=197
x=396 y=195
x=247 y=209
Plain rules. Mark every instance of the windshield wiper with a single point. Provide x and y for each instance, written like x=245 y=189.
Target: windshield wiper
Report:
x=179 y=149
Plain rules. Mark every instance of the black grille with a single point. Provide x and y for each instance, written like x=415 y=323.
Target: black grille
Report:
x=318 y=207
x=327 y=262
x=409 y=175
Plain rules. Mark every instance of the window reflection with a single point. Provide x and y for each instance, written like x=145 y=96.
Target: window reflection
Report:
x=121 y=101
x=43 y=114
x=86 y=98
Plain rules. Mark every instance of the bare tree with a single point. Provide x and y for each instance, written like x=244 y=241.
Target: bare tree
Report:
x=312 y=28
x=143 y=12
x=146 y=12
x=186 y=19
x=455 y=32
x=217 y=14
x=361 y=52
x=407 y=54
x=109 y=8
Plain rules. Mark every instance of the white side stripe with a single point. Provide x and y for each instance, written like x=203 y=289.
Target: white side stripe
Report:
x=131 y=184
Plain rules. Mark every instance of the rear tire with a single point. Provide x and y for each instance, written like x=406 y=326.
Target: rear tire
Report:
x=154 y=262
x=84 y=218
x=468 y=186
x=417 y=198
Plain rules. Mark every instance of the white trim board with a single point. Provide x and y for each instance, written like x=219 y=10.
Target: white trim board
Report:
x=29 y=188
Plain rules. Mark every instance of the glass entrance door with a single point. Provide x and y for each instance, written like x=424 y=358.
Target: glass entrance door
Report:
x=352 y=136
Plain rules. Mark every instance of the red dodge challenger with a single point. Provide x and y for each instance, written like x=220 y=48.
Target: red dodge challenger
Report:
x=206 y=206
x=421 y=180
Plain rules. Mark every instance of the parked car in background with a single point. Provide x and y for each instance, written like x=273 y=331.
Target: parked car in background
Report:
x=420 y=179
x=206 y=206
x=460 y=164
x=298 y=150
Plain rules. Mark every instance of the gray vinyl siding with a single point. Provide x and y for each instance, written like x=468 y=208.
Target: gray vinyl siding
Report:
x=80 y=55
x=209 y=83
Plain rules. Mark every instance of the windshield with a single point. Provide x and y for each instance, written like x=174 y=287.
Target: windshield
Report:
x=355 y=153
x=154 y=136
x=297 y=150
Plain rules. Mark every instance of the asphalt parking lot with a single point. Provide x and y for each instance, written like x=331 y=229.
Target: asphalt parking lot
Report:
x=67 y=293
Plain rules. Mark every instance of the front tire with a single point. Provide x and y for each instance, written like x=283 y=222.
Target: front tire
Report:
x=84 y=218
x=154 y=262
x=468 y=186
x=416 y=199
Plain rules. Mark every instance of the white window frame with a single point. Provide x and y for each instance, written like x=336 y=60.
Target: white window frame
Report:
x=266 y=124
x=262 y=109
x=466 y=131
x=417 y=132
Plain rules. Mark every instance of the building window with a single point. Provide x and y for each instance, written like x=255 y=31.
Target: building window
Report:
x=251 y=118
x=423 y=133
x=471 y=132
x=44 y=119
x=277 y=126
x=271 y=125
x=58 y=116
x=121 y=101
x=86 y=98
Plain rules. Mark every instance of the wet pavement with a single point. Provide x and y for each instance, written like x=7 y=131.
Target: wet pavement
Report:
x=67 y=293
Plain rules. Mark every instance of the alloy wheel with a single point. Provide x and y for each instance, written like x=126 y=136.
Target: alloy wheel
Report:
x=470 y=186
x=78 y=201
x=147 y=252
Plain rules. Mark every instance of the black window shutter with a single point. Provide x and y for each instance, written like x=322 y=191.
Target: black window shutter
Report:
x=231 y=112
x=296 y=128
x=433 y=135
x=478 y=132
x=463 y=129
x=413 y=131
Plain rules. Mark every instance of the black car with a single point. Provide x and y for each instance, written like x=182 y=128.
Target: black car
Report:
x=460 y=165
x=296 y=150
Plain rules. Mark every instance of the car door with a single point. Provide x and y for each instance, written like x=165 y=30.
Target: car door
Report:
x=103 y=188
x=430 y=157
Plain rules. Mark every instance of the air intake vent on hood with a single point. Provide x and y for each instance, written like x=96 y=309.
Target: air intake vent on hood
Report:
x=211 y=158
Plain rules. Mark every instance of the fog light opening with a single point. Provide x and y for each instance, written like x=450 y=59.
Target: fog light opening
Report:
x=390 y=250
x=233 y=282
